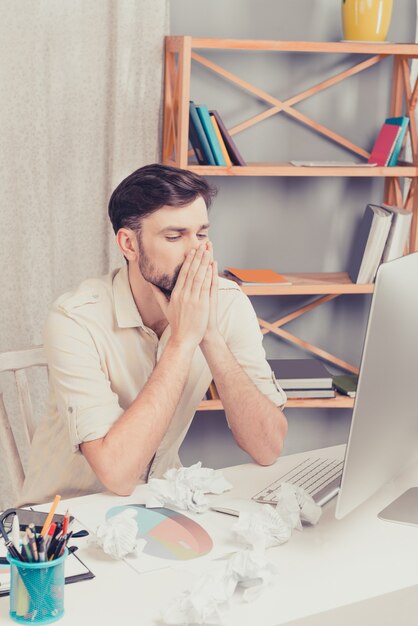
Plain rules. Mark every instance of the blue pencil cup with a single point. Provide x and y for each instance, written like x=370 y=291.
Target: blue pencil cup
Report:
x=37 y=590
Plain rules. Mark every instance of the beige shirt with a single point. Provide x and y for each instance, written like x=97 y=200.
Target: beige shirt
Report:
x=100 y=355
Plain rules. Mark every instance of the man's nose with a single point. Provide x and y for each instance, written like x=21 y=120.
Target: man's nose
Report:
x=194 y=243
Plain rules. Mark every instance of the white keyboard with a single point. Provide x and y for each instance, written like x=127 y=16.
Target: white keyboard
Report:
x=320 y=477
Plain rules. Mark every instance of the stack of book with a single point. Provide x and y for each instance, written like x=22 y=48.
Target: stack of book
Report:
x=255 y=277
x=346 y=384
x=382 y=236
x=303 y=378
x=210 y=140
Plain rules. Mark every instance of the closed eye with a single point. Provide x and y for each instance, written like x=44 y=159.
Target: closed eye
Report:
x=177 y=237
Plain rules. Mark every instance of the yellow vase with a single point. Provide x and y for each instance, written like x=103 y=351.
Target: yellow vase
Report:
x=366 y=20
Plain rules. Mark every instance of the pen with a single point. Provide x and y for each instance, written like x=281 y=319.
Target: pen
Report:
x=58 y=531
x=12 y=551
x=65 y=522
x=49 y=536
x=41 y=552
x=15 y=532
x=32 y=544
x=225 y=510
x=58 y=548
x=26 y=553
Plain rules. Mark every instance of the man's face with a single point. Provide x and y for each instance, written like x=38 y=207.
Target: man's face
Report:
x=166 y=237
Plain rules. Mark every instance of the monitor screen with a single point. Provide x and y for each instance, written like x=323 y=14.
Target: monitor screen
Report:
x=384 y=429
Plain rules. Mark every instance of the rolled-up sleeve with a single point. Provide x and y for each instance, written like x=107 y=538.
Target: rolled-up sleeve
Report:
x=85 y=400
x=245 y=340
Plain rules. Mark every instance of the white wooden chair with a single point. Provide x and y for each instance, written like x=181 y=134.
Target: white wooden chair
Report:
x=17 y=363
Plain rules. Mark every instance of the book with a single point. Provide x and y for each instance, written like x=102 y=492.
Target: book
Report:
x=198 y=138
x=256 y=277
x=221 y=141
x=403 y=122
x=369 y=243
x=301 y=374
x=230 y=144
x=331 y=164
x=398 y=234
x=310 y=393
x=384 y=144
x=346 y=384
x=204 y=116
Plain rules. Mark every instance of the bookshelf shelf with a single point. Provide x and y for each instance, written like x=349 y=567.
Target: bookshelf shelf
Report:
x=394 y=49
x=339 y=402
x=287 y=169
x=310 y=284
x=183 y=52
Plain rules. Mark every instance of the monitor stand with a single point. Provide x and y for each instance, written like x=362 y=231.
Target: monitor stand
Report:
x=403 y=510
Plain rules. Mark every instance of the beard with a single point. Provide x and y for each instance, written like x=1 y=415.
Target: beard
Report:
x=164 y=282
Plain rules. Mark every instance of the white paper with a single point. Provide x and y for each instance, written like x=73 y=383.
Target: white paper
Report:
x=118 y=536
x=262 y=529
x=185 y=488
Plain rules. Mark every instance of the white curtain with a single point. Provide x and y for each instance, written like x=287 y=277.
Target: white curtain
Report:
x=80 y=108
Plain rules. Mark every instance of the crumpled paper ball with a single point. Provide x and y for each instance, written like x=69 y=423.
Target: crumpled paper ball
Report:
x=118 y=536
x=208 y=599
x=252 y=570
x=270 y=526
x=295 y=506
x=204 y=603
x=185 y=488
x=263 y=528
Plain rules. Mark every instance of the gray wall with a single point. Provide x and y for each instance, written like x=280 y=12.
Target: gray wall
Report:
x=289 y=224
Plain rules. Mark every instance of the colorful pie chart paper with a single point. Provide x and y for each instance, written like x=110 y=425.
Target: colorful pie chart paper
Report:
x=169 y=535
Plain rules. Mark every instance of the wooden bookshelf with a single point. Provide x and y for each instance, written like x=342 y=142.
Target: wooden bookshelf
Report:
x=184 y=52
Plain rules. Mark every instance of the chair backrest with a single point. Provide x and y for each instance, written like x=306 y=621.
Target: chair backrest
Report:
x=17 y=363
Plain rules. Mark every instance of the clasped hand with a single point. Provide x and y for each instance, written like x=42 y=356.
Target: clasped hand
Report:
x=192 y=308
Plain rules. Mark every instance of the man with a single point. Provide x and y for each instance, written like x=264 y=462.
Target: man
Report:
x=132 y=354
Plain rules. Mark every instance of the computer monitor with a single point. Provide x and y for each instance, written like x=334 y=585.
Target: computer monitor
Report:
x=384 y=428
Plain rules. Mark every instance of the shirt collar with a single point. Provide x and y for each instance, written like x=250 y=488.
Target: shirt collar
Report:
x=127 y=314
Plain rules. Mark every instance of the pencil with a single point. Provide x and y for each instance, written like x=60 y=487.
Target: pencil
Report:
x=50 y=516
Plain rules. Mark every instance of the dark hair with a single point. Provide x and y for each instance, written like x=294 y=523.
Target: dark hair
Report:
x=151 y=187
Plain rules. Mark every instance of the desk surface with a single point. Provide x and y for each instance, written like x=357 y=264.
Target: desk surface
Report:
x=340 y=571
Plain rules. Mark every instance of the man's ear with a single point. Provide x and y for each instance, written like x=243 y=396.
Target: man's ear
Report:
x=128 y=244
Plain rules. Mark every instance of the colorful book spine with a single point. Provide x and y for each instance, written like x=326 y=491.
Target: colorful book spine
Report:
x=233 y=151
x=221 y=141
x=198 y=138
x=384 y=145
x=402 y=122
x=204 y=116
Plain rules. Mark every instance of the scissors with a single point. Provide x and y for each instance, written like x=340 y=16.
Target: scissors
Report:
x=13 y=551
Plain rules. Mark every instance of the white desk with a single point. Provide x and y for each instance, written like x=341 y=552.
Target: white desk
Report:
x=358 y=570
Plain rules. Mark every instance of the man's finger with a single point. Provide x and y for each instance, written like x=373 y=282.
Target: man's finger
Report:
x=181 y=278
x=200 y=275
x=206 y=282
x=214 y=286
x=194 y=267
